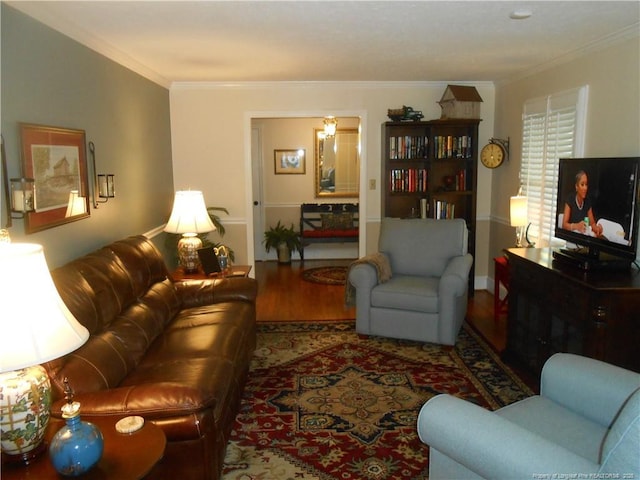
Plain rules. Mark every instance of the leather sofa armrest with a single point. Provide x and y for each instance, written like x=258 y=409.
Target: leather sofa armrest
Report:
x=150 y=399
x=196 y=293
x=498 y=448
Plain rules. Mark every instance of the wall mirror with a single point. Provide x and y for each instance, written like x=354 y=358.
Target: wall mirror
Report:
x=337 y=163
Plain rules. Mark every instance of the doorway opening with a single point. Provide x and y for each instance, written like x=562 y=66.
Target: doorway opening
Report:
x=272 y=195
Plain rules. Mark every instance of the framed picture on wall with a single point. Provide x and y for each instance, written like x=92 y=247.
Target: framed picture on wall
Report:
x=56 y=159
x=291 y=161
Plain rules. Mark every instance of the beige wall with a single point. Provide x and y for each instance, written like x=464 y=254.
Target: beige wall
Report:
x=211 y=138
x=613 y=118
x=210 y=123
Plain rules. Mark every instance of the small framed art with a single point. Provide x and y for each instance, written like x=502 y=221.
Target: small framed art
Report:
x=290 y=161
x=56 y=159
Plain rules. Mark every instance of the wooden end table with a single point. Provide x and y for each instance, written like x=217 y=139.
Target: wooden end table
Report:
x=232 y=271
x=131 y=455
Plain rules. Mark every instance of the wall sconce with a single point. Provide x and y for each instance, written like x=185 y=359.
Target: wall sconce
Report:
x=103 y=185
x=330 y=126
x=23 y=196
x=19 y=193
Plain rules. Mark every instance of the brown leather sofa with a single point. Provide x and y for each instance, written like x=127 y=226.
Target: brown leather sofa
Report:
x=174 y=352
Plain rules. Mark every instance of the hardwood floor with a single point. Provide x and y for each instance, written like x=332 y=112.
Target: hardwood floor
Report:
x=284 y=295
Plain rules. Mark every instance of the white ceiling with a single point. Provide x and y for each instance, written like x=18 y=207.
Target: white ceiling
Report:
x=241 y=41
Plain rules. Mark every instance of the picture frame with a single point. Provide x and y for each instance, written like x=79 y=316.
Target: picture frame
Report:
x=56 y=159
x=289 y=161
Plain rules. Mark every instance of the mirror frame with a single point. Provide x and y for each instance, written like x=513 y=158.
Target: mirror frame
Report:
x=318 y=152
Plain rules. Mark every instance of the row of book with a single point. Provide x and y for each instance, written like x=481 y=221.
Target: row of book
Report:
x=408 y=147
x=462 y=180
x=408 y=180
x=452 y=147
x=443 y=209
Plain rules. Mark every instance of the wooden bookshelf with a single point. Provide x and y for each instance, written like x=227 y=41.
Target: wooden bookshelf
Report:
x=434 y=162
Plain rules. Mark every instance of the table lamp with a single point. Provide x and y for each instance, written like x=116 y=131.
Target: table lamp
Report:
x=518 y=206
x=189 y=217
x=36 y=327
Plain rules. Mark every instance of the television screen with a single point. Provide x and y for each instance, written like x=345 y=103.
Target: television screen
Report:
x=597 y=206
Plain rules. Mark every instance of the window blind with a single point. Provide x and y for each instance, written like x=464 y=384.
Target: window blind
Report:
x=553 y=128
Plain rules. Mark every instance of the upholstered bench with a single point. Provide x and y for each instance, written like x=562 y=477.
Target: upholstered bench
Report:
x=328 y=223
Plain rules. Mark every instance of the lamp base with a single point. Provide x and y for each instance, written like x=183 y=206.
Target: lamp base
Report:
x=26 y=458
x=25 y=406
x=188 y=246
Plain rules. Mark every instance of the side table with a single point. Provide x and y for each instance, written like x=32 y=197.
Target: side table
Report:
x=232 y=271
x=130 y=456
x=500 y=276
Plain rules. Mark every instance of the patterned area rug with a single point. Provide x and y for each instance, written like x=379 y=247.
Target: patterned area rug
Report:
x=323 y=403
x=326 y=275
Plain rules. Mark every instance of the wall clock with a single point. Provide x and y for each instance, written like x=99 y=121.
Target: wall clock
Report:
x=494 y=152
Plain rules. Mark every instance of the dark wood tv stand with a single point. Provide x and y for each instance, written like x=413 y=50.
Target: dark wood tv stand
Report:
x=554 y=307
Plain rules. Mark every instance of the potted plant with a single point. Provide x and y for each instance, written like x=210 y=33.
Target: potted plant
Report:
x=284 y=240
x=223 y=248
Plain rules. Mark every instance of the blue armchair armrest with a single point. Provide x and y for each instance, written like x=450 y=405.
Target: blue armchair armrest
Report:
x=497 y=448
x=587 y=386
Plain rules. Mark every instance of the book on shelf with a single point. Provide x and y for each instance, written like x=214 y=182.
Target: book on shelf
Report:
x=462 y=180
x=408 y=147
x=449 y=146
x=443 y=209
x=408 y=180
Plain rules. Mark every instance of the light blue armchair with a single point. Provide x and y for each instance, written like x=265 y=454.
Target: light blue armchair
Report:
x=426 y=297
x=584 y=424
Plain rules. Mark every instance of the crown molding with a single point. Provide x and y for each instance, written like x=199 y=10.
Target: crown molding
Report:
x=205 y=85
x=633 y=31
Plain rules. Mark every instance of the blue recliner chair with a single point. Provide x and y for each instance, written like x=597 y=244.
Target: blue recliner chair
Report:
x=584 y=424
x=425 y=298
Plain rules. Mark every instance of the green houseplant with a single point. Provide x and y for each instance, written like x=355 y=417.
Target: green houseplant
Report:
x=284 y=240
x=215 y=219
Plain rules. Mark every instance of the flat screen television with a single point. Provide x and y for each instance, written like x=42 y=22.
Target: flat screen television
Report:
x=597 y=212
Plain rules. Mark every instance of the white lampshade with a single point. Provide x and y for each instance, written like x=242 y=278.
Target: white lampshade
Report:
x=36 y=326
x=189 y=214
x=519 y=206
x=76 y=205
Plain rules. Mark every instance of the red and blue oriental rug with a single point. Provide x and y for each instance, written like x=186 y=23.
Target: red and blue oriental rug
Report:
x=323 y=403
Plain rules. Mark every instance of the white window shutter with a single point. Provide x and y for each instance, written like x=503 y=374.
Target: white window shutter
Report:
x=553 y=128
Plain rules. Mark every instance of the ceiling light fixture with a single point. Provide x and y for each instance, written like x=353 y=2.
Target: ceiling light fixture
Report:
x=521 y=14
x=330 y=126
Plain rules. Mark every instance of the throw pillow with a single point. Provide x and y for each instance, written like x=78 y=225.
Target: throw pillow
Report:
x=337 y=221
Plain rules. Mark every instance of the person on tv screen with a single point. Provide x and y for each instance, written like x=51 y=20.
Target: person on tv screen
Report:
x=578 y=209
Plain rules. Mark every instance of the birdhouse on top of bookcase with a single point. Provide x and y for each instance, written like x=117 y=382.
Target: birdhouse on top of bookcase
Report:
x=460 y=102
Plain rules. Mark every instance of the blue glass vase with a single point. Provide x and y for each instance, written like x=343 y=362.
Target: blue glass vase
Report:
x=77 y=446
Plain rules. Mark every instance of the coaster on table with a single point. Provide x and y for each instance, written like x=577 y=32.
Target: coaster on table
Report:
x=130 y=424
